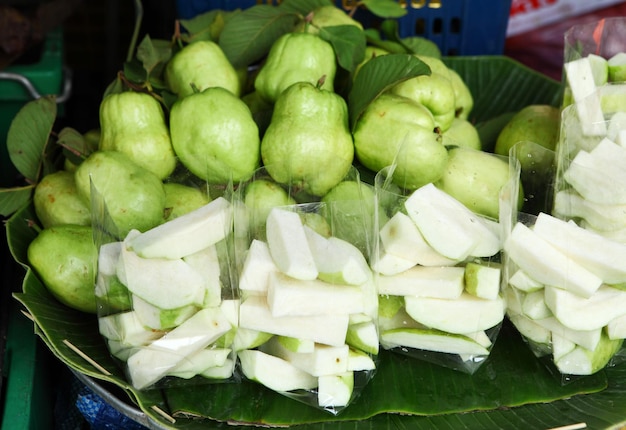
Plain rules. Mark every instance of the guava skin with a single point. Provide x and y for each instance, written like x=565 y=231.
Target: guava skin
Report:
x=308 y=144
x=181 y=199
x=350 y=208
x=215 y=136
x=534 y=123
x=64 y=257
x=327 y=16
x=260 y=196
x=463 y=98
x=462 y=133
x=296 y=57
x=134 y=123
x=475 y=178
x=203 y=64
x=395 y=130
x=134 y=196
x=435 y=91
x=56 y=201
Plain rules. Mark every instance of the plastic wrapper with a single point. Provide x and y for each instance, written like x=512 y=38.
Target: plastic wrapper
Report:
x=167 y=304
x=563 y=286
x=565 y=272
x=439 y=276
x=308 y=314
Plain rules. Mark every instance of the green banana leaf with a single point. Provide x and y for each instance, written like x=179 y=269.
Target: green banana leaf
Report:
x=512 y=390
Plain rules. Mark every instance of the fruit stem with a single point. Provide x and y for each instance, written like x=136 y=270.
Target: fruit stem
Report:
x=320 y=82
x=32 y=224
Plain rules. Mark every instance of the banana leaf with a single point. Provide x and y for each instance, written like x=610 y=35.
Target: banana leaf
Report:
x=512 y=390
x=511 y=378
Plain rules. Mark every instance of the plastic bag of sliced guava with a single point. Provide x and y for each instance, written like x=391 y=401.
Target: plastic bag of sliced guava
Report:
x=564 y=280
x=167 y=307
x=439 y=274
x=308 y=313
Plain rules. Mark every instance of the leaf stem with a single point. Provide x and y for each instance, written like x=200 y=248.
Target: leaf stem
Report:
x=135 y=36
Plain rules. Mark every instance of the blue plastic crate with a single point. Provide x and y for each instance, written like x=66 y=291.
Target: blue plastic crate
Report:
x=458 y=27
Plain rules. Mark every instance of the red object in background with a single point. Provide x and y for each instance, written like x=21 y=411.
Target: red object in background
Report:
x=542 y=49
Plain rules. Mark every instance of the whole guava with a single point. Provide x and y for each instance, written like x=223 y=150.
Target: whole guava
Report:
x=181 y=199
x=65 y=258
x=260 y=196
x=475 y=178
x=327 y=16
x=134 y=123
x=434 y=91
x=134 y=197
x=463 y=98
x=537 y=123
x=350 y=209
x=308 y=144
x=296 y=57
x=462 y=133
x=201 y=64
x=215 y=137
x=56 y=201
x=394 y=130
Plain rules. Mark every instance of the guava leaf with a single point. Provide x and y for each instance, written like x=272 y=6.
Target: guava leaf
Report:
x=249 y=35
x=348 y=41
x=135 y=72
x=12 y=199
x=154 y=54
x=28 y=135
x=385 y=8
x=303 y=7
x=389 y=28
x=373 y=38
x=75 y=146
x=206 y=26
x=422 y=46
x=379 y=74
x=506 y=85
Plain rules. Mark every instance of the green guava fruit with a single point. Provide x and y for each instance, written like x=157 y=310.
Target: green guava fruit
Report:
x=260 y=196
x=534 y=123
x=394 y=130
x=463 y=98
x=350 y=210
x=327 y=16
x=475 y=178
x=65 y=257
x=134 y=197
x=134 y=123
x=434 y=91
x=181 y=199
x=56 y=201
x=296 y=57
x=201 y=64
x=215 y=136
x=462 y=133
x=308 y=144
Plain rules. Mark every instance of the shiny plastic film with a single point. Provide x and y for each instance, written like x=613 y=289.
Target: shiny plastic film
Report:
x=308 y=317
x=167 y=306
x=563 y=282
x=439 y=275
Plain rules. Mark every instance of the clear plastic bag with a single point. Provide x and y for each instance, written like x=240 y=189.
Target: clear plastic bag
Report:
x=308 y=315
x=439 y=276
x=557 y=283
x=167 y=307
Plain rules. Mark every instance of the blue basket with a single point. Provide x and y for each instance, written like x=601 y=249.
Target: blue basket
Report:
x=458 y=27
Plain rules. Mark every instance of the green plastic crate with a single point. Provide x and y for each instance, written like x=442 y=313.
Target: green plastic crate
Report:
x=26 y=80
x=28 y=390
